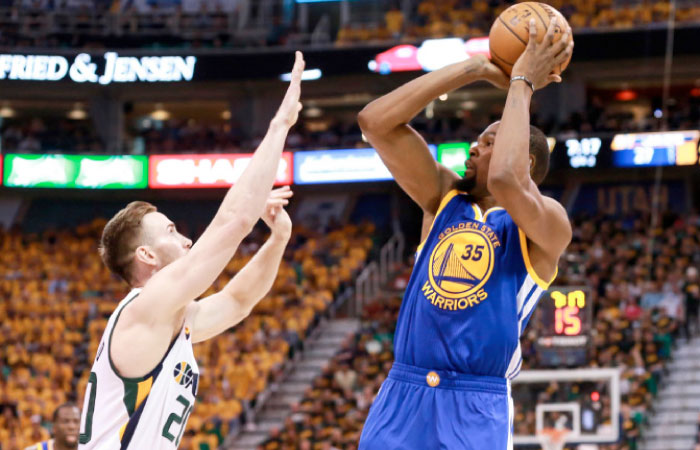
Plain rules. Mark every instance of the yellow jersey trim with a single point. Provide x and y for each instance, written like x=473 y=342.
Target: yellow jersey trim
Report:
x=143 y=390
x=531 y=270
x=445 y=200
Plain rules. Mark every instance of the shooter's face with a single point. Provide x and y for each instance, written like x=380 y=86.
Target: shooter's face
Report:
x=477 y=165
x=163 y=243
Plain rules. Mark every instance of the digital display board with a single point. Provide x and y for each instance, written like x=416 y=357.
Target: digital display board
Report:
x=207 y=171
x=453 y=155
x=341 y=166
x=75 y=171
x=583 y=152
x=664 y=148
x=563 y=319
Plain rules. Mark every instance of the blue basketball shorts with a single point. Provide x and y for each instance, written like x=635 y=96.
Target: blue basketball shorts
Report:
x=427 y=409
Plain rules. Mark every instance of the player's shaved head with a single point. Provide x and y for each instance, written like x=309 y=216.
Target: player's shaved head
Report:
x=539 y=149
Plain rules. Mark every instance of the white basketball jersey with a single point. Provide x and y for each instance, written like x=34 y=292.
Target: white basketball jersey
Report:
x=148 y=412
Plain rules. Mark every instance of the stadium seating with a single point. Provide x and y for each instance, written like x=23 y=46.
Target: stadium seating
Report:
x=37 y=135
x=637 y=339
x=432 y=19
x=191 y=136
x=218 y=24
x=59 y=296
x=335 y=407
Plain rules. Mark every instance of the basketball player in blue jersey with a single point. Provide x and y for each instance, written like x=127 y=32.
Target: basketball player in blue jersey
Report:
x=491 y=251
x=66 y=422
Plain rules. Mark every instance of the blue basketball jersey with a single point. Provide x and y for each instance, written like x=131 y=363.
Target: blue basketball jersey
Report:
x=44 y=445
x=471 y=293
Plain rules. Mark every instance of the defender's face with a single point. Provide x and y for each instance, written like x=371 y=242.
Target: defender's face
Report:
x=477 y=165
x=163 y=239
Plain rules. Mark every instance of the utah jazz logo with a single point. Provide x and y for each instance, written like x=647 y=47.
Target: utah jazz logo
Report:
x=183 y=374
x=460 y=264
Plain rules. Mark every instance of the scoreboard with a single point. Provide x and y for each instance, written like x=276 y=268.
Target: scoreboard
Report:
x=563 y=322
x=628 y=150
x=667 y=148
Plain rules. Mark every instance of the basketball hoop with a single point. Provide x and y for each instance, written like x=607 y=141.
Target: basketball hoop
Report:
x=553 y=439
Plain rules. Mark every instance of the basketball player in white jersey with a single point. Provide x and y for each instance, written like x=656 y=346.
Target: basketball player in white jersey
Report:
x=143 y=382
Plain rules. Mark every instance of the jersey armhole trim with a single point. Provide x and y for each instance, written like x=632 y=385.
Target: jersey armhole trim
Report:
x=445 y=200
x=493 y=209
x=528 y=265
x=109 y=351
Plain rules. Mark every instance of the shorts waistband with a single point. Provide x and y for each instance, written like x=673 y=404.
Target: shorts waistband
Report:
x=447 y=379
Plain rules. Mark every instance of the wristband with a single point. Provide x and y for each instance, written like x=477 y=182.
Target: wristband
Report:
x=525 y=79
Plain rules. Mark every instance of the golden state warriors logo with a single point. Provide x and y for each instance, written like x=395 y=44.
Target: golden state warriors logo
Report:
x=433 y=379
x=460 y=265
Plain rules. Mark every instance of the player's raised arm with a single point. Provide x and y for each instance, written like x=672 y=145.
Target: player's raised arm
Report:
x=385 y=124
x=168 y=288
x=187 y=278
x=219 y=312
x=543 y=219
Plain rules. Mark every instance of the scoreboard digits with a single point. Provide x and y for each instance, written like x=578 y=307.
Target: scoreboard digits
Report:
x=566 y=313
x=564 y=316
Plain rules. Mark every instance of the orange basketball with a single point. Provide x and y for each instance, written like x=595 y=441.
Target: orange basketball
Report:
x=510 y=32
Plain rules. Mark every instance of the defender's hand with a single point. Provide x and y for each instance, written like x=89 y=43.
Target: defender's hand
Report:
x=275 y=216
x=539 y=60
x=490 y=72
x=288 y=112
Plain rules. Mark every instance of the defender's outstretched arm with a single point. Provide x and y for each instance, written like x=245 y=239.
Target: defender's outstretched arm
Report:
x=219 y=312
x=181 y=282
x=159 y=310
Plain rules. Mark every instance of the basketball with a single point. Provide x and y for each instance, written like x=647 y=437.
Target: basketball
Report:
x=509 y=33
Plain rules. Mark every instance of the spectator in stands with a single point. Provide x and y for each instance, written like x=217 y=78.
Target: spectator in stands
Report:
x=394 y=22
x=691 y=289
x=345 y=377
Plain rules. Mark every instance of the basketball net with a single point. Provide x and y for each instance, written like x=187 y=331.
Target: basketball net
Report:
x=553 y=439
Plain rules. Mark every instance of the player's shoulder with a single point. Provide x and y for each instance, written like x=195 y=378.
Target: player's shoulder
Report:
x=126 y=302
